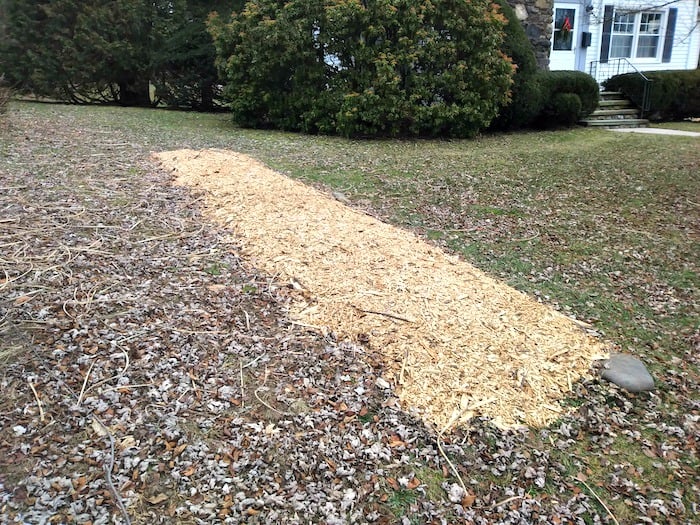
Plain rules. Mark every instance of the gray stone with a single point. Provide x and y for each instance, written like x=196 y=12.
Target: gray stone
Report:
x=521 y=12
x=340 y=197
x=627 y=372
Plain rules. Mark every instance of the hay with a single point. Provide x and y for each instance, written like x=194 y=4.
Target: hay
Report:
x=456 y=342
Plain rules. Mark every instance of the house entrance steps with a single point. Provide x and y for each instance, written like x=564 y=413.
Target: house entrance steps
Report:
x=615 y=110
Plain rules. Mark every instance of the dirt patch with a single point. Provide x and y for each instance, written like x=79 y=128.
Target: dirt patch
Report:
x=457 y=343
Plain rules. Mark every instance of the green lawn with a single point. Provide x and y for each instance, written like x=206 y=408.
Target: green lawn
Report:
x=604 y=226
x=684 y=125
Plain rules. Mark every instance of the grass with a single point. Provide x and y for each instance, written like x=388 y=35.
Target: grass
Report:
x=603 y=226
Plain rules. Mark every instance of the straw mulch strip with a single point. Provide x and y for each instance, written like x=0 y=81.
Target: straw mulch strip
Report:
x=456 y=342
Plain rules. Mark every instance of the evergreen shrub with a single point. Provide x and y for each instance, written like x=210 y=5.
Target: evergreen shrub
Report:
x=365 y=68
x=526 y=100
x=675 y=95
x=569 y=96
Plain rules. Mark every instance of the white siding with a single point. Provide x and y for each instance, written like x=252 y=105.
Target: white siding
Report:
x=686 y=39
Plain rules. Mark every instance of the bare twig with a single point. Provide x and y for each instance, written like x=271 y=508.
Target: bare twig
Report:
x=403 y=365
x=172 y=235
x=311 y=326
x=38 y=401
x=449 y=462
x=612 y=516
x=116 y=376
x=128 y=386
x=82 y=390
x=255 y=392
x=507 y=500
x=251 y=363
x=386 y=314
x=240 y=364
x=525 y=239
x=108 y=473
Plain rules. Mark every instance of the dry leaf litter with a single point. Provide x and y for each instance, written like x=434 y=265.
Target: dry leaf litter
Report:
x=152 y=375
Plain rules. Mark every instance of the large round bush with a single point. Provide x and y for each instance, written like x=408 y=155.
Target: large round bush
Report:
x=365 y=68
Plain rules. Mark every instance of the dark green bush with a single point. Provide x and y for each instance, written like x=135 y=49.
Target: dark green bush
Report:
x=675 y=95
x=370 y=68
x=526 y=99
x=561 y=110
x=564 y=108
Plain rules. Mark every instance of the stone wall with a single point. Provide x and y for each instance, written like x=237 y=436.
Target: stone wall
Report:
x=536 y=17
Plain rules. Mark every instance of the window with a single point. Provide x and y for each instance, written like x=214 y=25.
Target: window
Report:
x=635 y=34
x=564 y=20
x=649 y=35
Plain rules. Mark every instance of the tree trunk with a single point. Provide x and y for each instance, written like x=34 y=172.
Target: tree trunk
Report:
x=134 y=93
x=207 y=102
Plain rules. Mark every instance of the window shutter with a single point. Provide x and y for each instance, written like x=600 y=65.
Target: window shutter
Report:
x=607 y=31
x=670 y=32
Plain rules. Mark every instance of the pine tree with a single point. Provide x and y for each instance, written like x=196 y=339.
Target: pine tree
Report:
x=186 y=75
x=111 y=51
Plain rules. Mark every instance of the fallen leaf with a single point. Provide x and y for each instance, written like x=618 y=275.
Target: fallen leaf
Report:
x=414 y=483
x=127 y=442
x=396 y=441
x=468 y=500
x=22 y=299
x=158 y=498
x=98 y=428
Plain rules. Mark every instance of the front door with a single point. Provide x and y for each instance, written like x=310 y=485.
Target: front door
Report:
x=565 y=37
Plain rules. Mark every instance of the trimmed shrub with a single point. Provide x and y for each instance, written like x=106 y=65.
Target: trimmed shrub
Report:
x=365 y=68
x=675 y=95
x=526 y=99
x=569 y=96
x=564 y=108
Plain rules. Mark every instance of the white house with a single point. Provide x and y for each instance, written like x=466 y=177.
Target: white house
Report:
x=608 y=37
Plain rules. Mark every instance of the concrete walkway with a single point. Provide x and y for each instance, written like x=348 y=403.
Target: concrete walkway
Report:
x=657 y=131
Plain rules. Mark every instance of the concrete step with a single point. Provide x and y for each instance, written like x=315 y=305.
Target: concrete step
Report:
x=614 y=114
x=610 y=112
x=611 y=94
x=618 y=122
x=615 y=103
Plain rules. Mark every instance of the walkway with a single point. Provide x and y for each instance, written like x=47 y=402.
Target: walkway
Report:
x=657 y=131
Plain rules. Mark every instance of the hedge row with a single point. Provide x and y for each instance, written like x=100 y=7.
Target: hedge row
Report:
x=675 y=95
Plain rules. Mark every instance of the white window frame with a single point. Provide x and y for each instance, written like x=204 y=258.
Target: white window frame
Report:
x=636 y=34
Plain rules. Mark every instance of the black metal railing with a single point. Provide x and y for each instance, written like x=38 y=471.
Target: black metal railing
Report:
x=602 y=71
